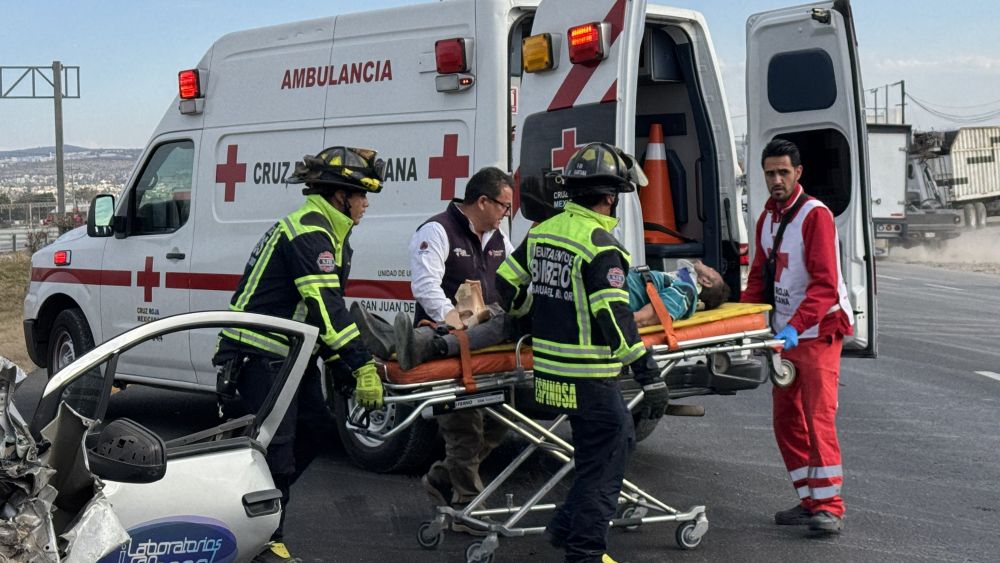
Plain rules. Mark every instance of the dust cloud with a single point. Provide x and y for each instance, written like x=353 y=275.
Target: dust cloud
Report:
x=974 y=251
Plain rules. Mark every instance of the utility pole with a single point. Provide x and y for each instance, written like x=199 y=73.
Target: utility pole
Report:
x=902 y=101
x=62 y=87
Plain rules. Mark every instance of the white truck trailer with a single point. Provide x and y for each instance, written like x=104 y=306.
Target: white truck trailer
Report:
x=967 y=166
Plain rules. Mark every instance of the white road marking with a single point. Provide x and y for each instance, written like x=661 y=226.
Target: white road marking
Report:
x=989 y=374
x=889 y=277
x=943 y=287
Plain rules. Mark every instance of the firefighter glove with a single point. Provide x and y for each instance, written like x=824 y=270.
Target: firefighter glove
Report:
x=368 y=391
x=790 y=336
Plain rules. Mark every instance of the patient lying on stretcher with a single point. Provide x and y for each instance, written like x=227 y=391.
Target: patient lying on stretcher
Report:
x=692 y=287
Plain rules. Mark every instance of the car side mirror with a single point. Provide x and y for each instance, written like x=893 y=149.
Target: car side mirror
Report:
x=101 y=216
x=129 y=453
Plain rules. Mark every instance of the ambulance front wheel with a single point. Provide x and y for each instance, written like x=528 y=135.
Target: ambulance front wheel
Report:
x=69 y=339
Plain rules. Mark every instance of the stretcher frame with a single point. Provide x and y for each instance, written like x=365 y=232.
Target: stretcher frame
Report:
x=636 y=506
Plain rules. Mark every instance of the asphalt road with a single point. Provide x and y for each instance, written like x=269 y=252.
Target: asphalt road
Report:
x=918 y=428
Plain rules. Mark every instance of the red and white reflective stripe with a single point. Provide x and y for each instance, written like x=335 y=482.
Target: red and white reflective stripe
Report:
x=799 y=474
x=822 y=493
x=372 y=289
x=578 y=76
x=827 y=472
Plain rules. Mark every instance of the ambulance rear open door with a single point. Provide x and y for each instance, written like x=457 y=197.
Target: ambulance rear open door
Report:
x=804 y=85
x=589 y=94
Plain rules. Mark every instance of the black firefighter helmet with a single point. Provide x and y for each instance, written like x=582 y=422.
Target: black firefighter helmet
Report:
x=340 y=168
x=600 y=168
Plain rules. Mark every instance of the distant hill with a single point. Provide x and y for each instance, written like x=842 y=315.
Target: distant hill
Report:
x=45 y=151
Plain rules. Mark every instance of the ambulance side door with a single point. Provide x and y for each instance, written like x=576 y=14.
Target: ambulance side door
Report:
x=150 y=257
x=573 y=104
x=804 y=85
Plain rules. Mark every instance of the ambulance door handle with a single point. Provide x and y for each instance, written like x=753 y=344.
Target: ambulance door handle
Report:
x=175 y=256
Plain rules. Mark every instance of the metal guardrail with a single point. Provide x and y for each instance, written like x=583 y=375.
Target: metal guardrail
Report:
x=12 y=240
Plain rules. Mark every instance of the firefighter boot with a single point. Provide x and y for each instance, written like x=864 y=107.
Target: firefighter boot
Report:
x=275 y=552
x=376 y=333
x=415 y=346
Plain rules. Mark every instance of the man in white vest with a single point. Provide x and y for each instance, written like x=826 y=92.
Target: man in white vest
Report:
x=802 y=279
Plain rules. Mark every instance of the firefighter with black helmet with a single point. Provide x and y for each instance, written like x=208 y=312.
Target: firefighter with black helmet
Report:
x=569 y=273
x=298 y=270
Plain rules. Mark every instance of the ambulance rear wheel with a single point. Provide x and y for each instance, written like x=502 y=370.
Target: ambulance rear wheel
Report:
x=69 y=339
x=412 y=450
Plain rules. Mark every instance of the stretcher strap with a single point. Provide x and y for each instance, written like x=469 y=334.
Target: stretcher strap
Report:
x=465 y=355
x=662 y=314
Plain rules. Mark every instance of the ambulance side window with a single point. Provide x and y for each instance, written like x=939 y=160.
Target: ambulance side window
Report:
x=161 y=200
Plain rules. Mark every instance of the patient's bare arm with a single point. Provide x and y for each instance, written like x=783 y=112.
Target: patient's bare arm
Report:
x=646 y=316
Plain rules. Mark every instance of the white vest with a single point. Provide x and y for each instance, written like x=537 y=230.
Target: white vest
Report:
x=791 y=276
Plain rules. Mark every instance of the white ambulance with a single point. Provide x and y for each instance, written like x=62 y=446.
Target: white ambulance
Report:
x=441 y=90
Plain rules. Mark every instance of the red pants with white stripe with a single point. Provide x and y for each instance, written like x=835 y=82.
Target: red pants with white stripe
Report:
x=805 y=427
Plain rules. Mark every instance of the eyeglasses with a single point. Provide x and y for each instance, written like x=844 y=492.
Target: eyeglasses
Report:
x=506 y=206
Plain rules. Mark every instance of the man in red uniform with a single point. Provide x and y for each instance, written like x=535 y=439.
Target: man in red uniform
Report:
x=802 y=279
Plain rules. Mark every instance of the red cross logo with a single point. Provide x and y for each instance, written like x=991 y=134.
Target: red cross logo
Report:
x=448 y=167
x=147 y=279
x=230 y=173
x=560 y=156
x=780 y=263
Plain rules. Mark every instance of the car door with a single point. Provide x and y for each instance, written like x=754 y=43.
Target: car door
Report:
x=804 y=85
x=150 y=255
x=573 y=104
x=173 y=515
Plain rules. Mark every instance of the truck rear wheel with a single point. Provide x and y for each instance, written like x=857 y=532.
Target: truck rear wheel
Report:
x=970 y=216
x=411 y=451
x=980 y=214
x=69 y=339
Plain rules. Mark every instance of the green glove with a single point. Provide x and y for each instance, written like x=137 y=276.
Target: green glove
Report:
x=368 y=392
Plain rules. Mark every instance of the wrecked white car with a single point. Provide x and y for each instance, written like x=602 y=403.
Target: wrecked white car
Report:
x=76 y=486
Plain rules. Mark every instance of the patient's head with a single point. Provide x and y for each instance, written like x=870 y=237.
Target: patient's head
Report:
x=714 y=291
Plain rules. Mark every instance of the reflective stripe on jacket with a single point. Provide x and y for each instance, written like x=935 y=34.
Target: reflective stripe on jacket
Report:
x=298 y=271
x=570 y=272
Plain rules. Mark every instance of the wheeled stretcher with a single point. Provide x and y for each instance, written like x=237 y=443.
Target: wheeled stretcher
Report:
x=490 y=378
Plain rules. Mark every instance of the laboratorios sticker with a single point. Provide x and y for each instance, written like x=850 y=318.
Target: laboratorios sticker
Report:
x=616 y=277
x=326 y=262
x=178 y=538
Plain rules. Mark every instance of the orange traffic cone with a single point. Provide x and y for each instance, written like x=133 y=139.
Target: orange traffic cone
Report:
x=657 y=203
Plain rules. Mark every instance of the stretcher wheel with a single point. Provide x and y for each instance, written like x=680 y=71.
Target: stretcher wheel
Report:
x=634 y=512
x=686 y=536
x=783 y=376
x=476 y=554
x=426 y=539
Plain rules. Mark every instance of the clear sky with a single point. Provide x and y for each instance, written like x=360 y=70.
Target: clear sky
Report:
x=129 y=52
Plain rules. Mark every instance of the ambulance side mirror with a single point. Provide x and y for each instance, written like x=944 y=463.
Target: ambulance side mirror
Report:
x=101 y=216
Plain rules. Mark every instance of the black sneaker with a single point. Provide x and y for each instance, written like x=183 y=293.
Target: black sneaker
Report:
x=797 y=516
x=824 y=522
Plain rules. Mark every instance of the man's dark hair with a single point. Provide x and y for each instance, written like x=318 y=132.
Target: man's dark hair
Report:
x=715 y=295
x=488 y=182
x=587 y=200
x=781 y=147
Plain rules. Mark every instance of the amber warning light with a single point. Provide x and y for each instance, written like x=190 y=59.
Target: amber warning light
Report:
x=588 y=43
x=187 y=81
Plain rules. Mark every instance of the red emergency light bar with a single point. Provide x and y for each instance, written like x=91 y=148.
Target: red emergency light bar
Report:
x=61 y=257
x=588 y=43
x=188 y=84
x=450 y=56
